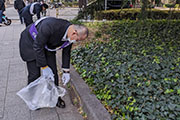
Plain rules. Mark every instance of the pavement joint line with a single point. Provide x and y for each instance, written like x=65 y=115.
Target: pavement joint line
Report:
x=6 y=89
x=57 y=114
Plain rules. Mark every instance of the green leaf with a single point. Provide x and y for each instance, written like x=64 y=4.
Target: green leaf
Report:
x=169 y=91
x=178 y=91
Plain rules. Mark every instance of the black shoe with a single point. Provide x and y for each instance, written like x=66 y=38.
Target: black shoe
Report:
x=60 y=103
x=38 y=109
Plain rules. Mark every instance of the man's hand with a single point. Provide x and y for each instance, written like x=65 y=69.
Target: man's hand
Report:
x=46 y=71
x=65 y=78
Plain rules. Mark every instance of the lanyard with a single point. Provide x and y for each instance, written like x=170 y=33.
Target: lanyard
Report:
x=56 y=49
x=33 y=32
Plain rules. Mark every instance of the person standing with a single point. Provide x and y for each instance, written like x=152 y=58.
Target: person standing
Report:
x=19 y=5
x=2 y=9
x=32 y=9
x=39 y=43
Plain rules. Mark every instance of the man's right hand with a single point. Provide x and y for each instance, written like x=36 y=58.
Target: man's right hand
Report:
x=46 y=71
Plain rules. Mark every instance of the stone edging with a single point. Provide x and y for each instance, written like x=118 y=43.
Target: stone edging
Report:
x=90 y=104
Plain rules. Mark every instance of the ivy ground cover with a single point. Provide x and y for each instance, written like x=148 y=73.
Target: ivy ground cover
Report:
x=136 y=71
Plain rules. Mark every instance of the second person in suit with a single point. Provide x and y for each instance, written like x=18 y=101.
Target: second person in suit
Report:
x=32 y=9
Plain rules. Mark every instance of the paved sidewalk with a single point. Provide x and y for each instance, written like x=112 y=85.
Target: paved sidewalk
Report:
x=13 y=77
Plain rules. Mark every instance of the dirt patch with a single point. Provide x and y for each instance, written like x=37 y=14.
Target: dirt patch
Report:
x=74 y=97
x=76 y=101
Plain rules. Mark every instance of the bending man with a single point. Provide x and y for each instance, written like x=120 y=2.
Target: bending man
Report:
x=39 y=43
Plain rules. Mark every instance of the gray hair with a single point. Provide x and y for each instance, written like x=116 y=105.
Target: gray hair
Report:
x=81 y=29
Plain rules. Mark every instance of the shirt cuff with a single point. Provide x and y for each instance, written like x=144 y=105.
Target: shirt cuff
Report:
x=65 y=69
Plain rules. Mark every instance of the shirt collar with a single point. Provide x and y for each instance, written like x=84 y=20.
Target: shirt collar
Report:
x=65 y=35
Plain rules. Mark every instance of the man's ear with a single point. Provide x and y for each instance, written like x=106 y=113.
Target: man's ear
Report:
x=74 y=32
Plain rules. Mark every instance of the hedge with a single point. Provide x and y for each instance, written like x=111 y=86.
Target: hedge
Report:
x=134 y=14
x=136 y=72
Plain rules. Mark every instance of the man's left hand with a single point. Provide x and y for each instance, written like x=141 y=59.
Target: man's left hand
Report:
x=65 y=78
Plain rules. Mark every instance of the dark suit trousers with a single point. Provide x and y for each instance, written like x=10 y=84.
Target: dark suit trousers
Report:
x=34 y=71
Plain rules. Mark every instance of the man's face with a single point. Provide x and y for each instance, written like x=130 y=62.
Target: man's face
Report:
x=76 y=36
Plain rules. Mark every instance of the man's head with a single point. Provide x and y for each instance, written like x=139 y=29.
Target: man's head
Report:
x=77 y=32
x=44 y=6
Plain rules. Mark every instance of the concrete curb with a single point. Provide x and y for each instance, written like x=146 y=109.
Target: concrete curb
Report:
x=88 y=101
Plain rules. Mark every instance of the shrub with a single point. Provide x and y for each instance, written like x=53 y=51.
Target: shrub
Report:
x=170 y=5
x=136 y=74
x=134 y=14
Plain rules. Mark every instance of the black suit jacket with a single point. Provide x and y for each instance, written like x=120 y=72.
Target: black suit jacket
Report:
x=50 y=32
x=19 y=4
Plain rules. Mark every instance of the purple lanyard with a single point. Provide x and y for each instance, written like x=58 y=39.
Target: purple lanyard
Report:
x=33 y=32
x=63 y=46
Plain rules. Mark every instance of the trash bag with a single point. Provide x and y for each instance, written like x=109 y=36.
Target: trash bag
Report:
x=41 y=93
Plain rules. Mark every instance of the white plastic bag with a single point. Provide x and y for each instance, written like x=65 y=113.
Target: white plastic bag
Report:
x=41 y=93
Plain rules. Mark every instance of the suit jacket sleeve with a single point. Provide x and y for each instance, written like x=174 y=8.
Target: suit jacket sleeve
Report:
x=43 y=36
x=38 y=10
x=66 y=54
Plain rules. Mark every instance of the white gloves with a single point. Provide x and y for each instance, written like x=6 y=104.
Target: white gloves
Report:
x=65 y=78
x=46 y=71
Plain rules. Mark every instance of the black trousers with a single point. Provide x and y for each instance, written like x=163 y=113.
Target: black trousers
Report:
x=34 y=71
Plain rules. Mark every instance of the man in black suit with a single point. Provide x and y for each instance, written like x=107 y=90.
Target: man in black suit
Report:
x=39 y=43
x=32 y=9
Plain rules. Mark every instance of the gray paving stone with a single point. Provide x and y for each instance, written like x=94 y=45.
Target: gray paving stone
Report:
x=44 y=114
x=3 y=72
x=4 y=64
x=16 y=60
x=16 y=85
x=1 y=33
x=3 y=81
x=70 y=116
x=2 y=93
x=17 y=77
x=12 y=99
x=1 y=108
x=6 y=54
x=16 y=68
x=16 y=44
x=3 y=78
x=5 y=46
x=16 y=53
x=17 y=112
x=17 y=72
x=4 y=68
x=7 y=37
